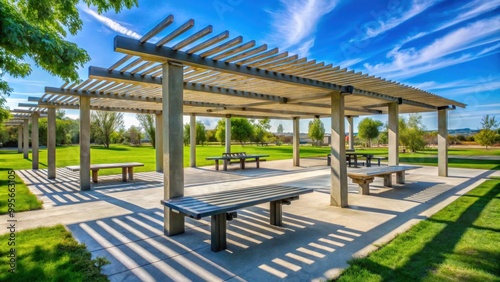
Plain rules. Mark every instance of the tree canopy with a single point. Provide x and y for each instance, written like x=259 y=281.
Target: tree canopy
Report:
x=104 y=124
x=36 y=30
x=201 y=136
x=241 y=130
x=316 y=130
x=280 y=128
x=411 y=132
x=147 y=122
x=487 y=136
x=368 y=129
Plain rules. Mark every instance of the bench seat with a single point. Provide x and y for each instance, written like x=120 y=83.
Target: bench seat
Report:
x=363 y=177
x=126 y=167
x=222 y=206
x=241 y=158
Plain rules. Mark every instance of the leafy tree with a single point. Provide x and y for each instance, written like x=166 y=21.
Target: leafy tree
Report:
x=411 y=132
x=147 y=122
x=105 y=123
x=316 y=130
x=488 y=135
x=368 y=129
x=210 y=135
x=36 y=29
x=220 y=131
x=280 y=128
x=134 y=135
x=241 y=129
x=201 y=136
x=261 y=130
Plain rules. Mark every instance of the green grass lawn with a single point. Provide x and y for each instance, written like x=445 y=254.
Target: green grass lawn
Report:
x=24 y=199
x=458 y=243
x=48 y=254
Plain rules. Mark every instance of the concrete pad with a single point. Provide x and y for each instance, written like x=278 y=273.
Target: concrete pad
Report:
x=124 y=221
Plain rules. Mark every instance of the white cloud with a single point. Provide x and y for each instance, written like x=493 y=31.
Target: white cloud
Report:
x=294 y=26
x=411 y=61
x=395 y=18
x=112 y=24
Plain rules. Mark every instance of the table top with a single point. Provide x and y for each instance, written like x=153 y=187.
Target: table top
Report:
x=236 y=157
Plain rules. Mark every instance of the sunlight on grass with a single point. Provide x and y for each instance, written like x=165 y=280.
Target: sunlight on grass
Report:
x=459 y=243
x=49 y=254
x=24 y=199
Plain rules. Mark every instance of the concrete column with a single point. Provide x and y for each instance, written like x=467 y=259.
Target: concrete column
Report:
x=228 y=133
x=393 y=134
x=173 y=144
x=296 y=141
x=26 y=139
x=338 y=170
x=350 y=120
x=20 y=139
x=85 y=143
x=443 y=142
x=34 y=141
x=192 y=143
x=51 y=143
x=159 y=142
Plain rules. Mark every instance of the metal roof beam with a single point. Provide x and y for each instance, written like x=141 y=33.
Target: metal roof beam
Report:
x=98 y=108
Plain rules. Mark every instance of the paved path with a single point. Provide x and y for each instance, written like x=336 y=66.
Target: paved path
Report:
x=124 y=222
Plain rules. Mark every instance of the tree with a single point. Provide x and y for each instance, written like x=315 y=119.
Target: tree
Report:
x=201 y=136
x=148 y=123
x=241 y=129
x=488 y=135
x=368 y=129
x=37 y=30
x=316 y=130
x=220 y=130
x=104 y=124
x=134 y=135
x=411 y=132
x=261 y=130
x=280 y=128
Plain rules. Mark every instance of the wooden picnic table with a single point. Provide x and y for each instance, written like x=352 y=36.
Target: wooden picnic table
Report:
x=126 y=167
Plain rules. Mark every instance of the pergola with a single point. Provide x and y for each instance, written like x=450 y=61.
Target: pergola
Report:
x=188 y=72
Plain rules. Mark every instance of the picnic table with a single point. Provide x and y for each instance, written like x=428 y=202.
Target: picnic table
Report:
x=352 y=158
x=223 y=206
x=363 y=177
x=241 y=158
x=126 y=167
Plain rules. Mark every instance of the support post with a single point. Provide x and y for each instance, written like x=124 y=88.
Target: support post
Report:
x=218 y=232
x=173 y=143
x=393 y=134
x=443 y=142
x=19 y=138
x=338 y=169
x=34 y=141
x=350 y=120
x=85 y=143
x=26 y=139
x=51 y=143
x=159 y=142
x=296 y=142
x=228 y=133
x=192 y=141
x=276 y=213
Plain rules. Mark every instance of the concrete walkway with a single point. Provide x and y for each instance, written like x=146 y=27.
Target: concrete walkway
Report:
x=124 y=221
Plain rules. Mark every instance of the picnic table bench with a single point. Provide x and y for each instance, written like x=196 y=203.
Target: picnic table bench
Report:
x=242 y=158
x=363 y=177
x=126 y=167
x=353 y=156
x=222 y=206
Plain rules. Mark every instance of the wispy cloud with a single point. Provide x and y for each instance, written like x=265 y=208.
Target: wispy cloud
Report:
x=388 y=19
x=440 y=53
x=113 y=25
x=466 y=12
x=294 y=26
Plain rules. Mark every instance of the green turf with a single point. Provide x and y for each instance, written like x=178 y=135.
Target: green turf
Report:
x=48 y=254
x=459 y=243
x=19 y=197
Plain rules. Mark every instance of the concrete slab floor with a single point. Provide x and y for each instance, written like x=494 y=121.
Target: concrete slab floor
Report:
x=124 y=221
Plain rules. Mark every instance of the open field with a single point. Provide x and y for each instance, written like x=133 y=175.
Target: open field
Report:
x=65 y=156
x=459 y=243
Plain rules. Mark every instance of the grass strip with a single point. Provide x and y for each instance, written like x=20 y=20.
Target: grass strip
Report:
x=458 y=243
x=24 y=199
x=48 y=254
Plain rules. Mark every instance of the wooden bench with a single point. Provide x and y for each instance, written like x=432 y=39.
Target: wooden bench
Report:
x=241 y=158
x=126 y=167
x=222 y=206
x=363 y=177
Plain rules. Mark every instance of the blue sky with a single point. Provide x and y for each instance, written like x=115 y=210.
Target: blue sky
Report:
x=450 y=48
